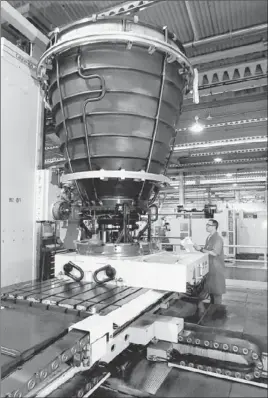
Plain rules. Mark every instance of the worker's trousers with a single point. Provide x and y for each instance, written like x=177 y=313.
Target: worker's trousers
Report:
x=216 y=298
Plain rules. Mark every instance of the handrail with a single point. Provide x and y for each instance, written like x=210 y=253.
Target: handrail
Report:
x=245 y=246
x=264 y=250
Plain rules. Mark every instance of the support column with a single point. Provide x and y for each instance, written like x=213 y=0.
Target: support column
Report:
x=209 y=196
x=181 y=188
x=237 y=196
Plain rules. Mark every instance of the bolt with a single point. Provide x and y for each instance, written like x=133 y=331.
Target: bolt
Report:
x=225 y=347
x=228 y=373
x=238 y=375
x=259 y=365
x=182 y=363
x=191 y=365
x=180 y=338
x=248 y=377
x=218 y=370
x=64 y=357
x=200 y=367
x=55 y=365
x=245 y=351
x=216 y=345
x=255 y=355
x=257 y=374
x=235 y=348
x=88 y=386
x=206 y=343
x=43 y=374
x=189 y=340
x=197 y=341
x=209 y=369
x=31 y=384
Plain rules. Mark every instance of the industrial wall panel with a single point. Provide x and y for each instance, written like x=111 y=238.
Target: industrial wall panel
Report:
x=21 y=114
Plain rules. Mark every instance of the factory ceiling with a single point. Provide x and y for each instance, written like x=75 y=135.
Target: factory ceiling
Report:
x=227 y=42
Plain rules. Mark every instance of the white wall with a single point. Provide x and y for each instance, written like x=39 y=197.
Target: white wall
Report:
x=21 y=122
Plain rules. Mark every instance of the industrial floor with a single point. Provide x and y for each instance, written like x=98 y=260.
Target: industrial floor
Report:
x=246 y=313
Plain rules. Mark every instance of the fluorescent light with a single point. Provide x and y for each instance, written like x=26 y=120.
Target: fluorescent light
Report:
x=235 y=184
x=196 y=127
x=218 y=160
x=229 y=175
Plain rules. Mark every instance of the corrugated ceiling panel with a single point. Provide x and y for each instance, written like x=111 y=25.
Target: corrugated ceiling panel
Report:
x=211 y=17
x=62 y=12
x=201 y=16
x=172 y=14
x=235 y=15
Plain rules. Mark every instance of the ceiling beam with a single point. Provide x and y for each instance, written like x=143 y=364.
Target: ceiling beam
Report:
x=124 y=8
x=217 y=100
x=230 y=53
x=192 y=20
x=13 y=17
x=225 y=165
x=220 y=143
x=135 y=6
x=230 y=35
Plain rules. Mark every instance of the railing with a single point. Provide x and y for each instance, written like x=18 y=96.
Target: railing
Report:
x=262 y=249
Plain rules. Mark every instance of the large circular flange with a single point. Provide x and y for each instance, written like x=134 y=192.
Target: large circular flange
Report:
x=108 y=249
x=119 y=174
x=102 y=32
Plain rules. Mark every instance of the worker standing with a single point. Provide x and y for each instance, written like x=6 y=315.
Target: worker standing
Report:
x=215 y=282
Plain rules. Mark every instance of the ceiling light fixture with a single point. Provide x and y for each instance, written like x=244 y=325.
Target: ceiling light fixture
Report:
x=196 y=127
x=229 y=175
x=218 y=160
x=209 y=117
x=235 y=184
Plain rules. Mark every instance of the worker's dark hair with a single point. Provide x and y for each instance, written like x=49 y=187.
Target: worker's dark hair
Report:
x=214 y=222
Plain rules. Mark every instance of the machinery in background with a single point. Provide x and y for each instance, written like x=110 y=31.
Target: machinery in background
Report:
x=115 y=88
x=193 y=224
x=227 y=229
x=251 y=231
x=247 y=230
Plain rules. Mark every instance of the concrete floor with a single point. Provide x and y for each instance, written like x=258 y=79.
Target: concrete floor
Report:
x=246 y=271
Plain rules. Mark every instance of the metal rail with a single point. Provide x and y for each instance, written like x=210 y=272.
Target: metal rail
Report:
x=162 y=85
x=101 y=93
x=264 y=249
x=65 y=126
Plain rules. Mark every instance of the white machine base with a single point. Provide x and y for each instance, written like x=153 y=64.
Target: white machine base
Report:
x=159 y=271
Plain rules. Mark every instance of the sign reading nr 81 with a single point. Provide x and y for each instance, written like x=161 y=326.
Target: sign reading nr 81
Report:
x=14 y=200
